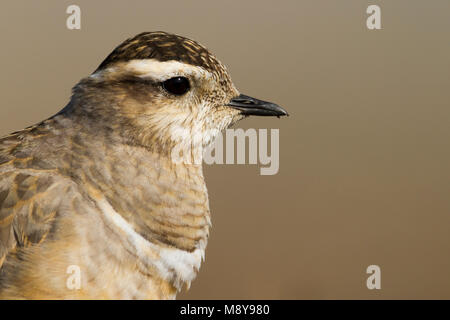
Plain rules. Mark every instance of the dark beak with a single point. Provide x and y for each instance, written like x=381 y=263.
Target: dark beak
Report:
x=253 y=107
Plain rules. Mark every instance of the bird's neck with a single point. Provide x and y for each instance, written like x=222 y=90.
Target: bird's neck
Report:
x=161 y=205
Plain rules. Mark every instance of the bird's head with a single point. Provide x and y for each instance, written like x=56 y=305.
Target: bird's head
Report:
x=161 y=90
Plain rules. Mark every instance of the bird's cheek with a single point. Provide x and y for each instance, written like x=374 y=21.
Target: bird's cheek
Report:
x=235 y=116
x=229 y=120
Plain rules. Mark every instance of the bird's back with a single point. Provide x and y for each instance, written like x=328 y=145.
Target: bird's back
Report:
x=30 y=197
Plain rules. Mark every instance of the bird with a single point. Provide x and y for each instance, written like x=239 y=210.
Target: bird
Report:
x=92 y=203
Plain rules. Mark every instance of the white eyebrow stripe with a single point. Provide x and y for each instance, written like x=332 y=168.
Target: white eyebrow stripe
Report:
x=163 y=70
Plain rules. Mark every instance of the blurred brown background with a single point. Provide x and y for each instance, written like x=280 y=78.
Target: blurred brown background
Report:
x=364 y=158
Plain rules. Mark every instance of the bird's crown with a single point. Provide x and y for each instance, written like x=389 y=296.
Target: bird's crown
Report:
x=163 y=46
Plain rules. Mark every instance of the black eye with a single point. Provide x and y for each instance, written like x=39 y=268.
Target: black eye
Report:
x=177 y=85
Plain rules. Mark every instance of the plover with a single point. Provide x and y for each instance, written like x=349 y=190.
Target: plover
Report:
x=92 y=203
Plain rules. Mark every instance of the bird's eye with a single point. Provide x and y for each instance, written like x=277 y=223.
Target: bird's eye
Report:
x=177 y=85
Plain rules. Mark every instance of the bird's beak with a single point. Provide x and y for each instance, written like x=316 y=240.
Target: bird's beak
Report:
x=254 y=107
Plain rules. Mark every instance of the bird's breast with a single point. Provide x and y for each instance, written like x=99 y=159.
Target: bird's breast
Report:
x=156 y=210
